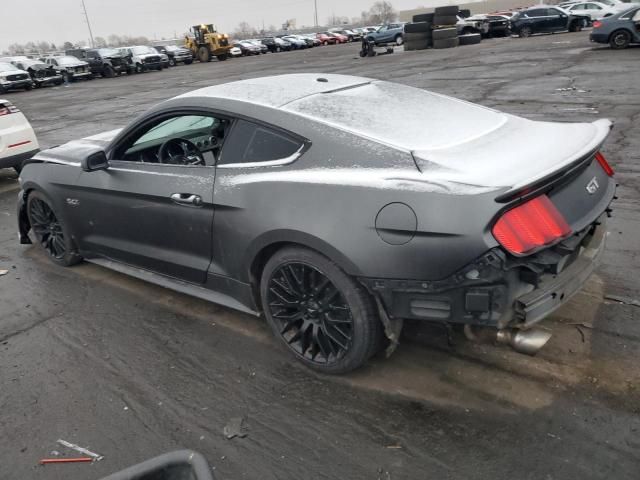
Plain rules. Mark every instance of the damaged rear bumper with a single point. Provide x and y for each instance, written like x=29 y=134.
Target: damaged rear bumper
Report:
x=496 y=291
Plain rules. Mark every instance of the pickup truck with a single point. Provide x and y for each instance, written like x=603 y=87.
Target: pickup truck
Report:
x=390 y=33
x=106 y=62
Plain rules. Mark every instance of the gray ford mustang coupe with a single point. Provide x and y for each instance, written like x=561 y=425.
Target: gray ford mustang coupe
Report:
x=285 y=196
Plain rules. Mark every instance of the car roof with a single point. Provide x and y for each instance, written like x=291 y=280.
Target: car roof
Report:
x=359 y=105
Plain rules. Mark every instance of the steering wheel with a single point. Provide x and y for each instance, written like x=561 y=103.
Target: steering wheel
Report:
x=180 y=151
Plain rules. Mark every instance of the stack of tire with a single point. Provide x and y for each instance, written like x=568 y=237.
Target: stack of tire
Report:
x=445 y=32
x=417 y=35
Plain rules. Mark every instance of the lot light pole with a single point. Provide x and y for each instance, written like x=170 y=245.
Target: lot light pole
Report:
x=315 y=12
x=86 y=16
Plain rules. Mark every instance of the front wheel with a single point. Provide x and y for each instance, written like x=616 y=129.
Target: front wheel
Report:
x=399 y=40
x=525 y=32
x=49 y=230
x=172 y=62
x=323 y=316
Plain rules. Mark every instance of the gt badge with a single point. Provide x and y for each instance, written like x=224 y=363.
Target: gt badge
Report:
x=592 y=186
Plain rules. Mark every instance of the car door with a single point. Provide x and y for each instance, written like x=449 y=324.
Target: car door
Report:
x=146 y=213
x=596 y=12
x=557 y=20
x=536 y=19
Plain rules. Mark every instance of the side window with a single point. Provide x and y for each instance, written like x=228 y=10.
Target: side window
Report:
x=252 y=143
x=192 y=137
x=538 y=12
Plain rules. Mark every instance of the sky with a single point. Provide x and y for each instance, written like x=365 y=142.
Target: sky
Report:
x=58 y=21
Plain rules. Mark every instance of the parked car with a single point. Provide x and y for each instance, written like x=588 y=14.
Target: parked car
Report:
x=547 y=20
x=595 y=10
x=469 y=25
x=283 y=44
x=499 y=25
x=143 y=58
x=106 y=62
x=315 y=40
x=308 y=41
x=248 y=48
x=617 y=5
x=350 y=34
x=326 y=39
x=435 y=219
x=270 y=43
x=296 y=43
x=338 y=36
x=71 y=67
x=18 y=142
x=176 y=54
x=258 y=43
x=235 y=52
x=164 y=58
x=619 y=30
x=391 y=33
x=41 y=74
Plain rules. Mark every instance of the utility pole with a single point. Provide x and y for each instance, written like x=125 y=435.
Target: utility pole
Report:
x=315 y=12
x=86 y=16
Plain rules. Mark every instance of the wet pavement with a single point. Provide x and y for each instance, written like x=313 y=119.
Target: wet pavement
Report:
x=131 y=370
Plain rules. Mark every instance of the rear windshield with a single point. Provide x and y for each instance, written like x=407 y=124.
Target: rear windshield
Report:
x=400 y=116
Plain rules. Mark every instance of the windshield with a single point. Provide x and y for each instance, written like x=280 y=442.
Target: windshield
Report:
x=7 y=67
x=142 y=50
x=109 y=52
x=171 y=48
x=67 y=60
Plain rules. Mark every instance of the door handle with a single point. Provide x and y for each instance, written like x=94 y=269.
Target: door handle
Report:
x=187 y=199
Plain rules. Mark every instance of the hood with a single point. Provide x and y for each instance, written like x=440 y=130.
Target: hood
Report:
x=17 y=71
x=74 y=151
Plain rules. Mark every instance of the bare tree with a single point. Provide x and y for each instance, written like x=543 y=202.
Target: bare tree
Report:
x=382 y=12
x=67 y=45
x=244 y=30
x=100 y=42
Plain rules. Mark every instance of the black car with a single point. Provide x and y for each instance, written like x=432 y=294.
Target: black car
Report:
x=281 y=201
x=41 y=73
x=106 y=62
x=546 y=20
x=176 y=54
x=270 y=43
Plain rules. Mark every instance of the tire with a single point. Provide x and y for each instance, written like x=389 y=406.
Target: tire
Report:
x=417 y=45
x=525 y=32
x=620 y=39
x=29 y=87
x=444 y=33
x=172 y=62
x=108 y=72
x=204 y=55
x=416 y=38
x=418 y=27
x=452 y=10
x=324 y=317
x=188 y=62
x=445 y=43
x=470 y=39
x=423 y=17
x=50 y=232
x=442 y=20
x=139 y=68
x=399 y=40
x=575 y=26
x=2 y=89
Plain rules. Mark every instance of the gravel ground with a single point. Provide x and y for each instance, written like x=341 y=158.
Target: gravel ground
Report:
x=132 y=370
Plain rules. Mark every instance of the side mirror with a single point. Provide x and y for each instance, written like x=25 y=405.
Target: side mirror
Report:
x=95 y=161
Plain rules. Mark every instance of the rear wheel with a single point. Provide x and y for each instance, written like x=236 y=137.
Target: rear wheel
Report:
x=108 y=72
x=49 y=230
x=322 y=315
x=399 y=40
x=172 y=62
x=620 y=39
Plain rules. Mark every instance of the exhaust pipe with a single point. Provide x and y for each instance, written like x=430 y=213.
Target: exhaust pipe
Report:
x=528 y=342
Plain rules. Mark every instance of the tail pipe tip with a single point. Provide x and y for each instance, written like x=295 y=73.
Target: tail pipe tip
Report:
x=528 y=341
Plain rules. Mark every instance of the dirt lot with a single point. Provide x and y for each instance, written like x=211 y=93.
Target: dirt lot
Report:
x=132 y=370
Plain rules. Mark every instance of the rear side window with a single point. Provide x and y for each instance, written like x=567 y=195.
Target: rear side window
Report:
x=253 y=143
x=538 y=12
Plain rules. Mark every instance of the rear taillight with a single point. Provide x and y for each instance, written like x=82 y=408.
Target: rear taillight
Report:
x=597 y=24
x=604 y=164
x=7 y=108
x=529 y=226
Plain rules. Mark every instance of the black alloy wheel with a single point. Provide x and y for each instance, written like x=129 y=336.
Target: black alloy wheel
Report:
x=620 y=39
x=525 y=32
x=49 y=230
x=313 y=317
x=323 y=316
